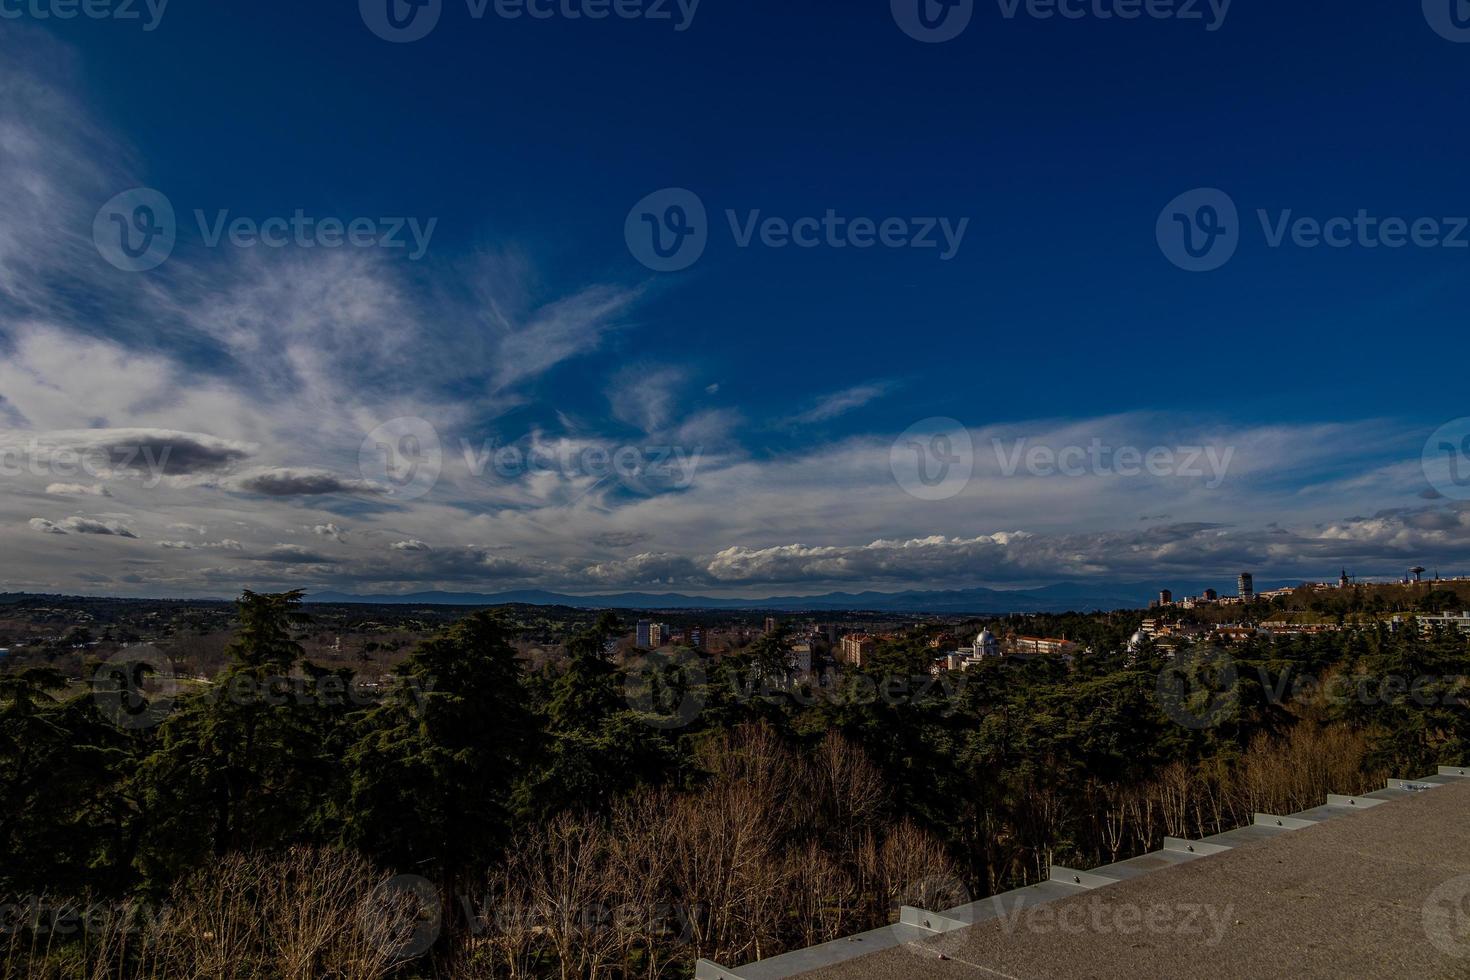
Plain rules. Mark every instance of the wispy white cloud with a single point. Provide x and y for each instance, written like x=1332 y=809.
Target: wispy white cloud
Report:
x=838 y=403
x=646 y=396
x=78 y=490
x=331 y=531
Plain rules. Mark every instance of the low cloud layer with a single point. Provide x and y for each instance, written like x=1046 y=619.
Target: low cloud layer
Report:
x=286 y=482
x=81 y=525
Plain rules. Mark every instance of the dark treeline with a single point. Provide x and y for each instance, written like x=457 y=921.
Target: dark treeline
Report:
x=478 y=818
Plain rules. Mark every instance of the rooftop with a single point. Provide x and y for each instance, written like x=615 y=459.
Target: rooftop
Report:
x=1369 y=886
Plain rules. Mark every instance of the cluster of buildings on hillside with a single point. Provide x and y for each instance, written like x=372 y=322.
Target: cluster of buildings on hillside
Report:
x=1460 y=621
x=815 y=646
x=651 y=636
x=1169 y=636
x=1246 y=590
x=855 y=648
x=988 y=646
x=1245 y=594
x=807 y=643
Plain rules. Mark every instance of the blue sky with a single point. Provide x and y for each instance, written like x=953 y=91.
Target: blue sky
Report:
x=789 y=373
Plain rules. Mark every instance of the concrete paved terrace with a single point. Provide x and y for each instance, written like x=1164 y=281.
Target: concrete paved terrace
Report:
x=1370 y=886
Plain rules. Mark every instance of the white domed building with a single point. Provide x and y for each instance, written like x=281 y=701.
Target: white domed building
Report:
x=985 y=645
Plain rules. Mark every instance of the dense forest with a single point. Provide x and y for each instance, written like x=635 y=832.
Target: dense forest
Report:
x=483 y=818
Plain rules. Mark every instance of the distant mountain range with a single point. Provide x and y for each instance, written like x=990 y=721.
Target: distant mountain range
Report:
x=1062 y=597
